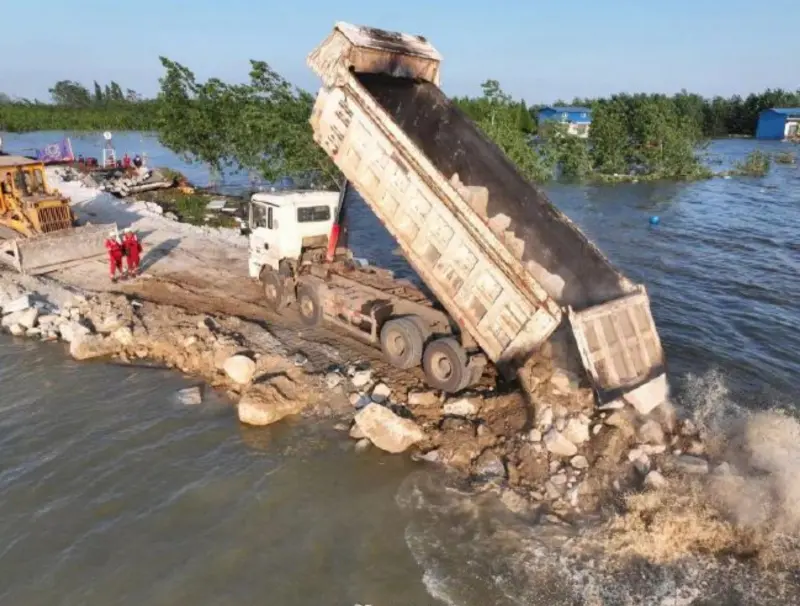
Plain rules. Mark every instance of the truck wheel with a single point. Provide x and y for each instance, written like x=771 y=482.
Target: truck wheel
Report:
x=309 y=305
x=402 y=342
x=445 y=365
x=273 y=289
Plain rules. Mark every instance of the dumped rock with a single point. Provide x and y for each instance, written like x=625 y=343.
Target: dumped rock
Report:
x=19 y=304
x=190 y=396
x=489 y=465
x=690 y=465
x=73 y=330
x=576 y=431
x=363 y=445
x=123 y=335
x=651 y=433
x=387 y=430
x=333 y=380
x=380 y=393
x=464 y=407
x=564 y=381
x=655 y=479
x=26 y=318
x=17 y=330
x=88 y=346
x=240 y=369
x=423 y=398
x=558 y=445
x=359 y=400
x=361 y=378
x=579 y=462
x=267 y=403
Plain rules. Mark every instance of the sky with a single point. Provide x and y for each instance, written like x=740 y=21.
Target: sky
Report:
x=538 y=51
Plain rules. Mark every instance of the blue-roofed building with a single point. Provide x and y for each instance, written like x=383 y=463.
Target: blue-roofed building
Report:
x=779 y=123
x=577 y=119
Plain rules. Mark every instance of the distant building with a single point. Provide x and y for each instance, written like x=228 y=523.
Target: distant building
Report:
x=779 y=123
x=577 y=119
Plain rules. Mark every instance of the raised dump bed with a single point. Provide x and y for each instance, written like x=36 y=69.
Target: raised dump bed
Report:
x=501 y=258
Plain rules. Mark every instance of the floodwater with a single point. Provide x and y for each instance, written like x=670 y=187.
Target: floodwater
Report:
x=114 y=494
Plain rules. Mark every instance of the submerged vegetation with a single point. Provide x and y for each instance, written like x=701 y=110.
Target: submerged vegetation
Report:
x=261 y=127
x=756 y=164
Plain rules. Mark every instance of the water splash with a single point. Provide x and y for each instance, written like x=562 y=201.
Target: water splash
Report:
x=728 y=538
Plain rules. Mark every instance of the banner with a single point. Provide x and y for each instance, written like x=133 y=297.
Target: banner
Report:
x=56 y=152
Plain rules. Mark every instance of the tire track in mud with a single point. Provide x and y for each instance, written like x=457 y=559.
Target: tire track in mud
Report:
x=323 y=347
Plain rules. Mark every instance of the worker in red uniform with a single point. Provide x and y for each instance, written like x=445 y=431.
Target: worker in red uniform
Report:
x=115 y=250
x=133 y=249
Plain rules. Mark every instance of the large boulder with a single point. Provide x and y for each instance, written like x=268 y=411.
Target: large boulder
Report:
x=73 y=330
x=267 y=403
x=19 y=304
x=387 y=430
x=240 y=369
x=25 y=318
x=86 y=347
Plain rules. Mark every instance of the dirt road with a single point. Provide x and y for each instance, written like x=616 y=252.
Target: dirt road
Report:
x=205 y=270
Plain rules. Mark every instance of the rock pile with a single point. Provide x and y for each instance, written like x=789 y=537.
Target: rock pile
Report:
x=121 y=183
x=226 y=352
x=549 y=449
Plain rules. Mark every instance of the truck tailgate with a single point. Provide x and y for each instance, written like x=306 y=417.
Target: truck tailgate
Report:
x=619 y=344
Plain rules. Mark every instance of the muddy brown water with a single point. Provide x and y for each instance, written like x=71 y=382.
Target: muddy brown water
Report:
x=114 y=494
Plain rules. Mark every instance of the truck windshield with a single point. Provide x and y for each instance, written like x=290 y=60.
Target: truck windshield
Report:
x=313 y=214
x=258 y=216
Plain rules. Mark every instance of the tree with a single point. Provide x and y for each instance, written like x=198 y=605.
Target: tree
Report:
x=98 y=94
x=525 y=121
x=262 y=125
x=70 y=93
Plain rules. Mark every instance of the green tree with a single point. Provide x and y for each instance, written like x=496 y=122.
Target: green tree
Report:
x=70 y=93
x=98 y=94
x=525 y=121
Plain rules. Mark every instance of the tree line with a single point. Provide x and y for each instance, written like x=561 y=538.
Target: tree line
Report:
x=261 y=126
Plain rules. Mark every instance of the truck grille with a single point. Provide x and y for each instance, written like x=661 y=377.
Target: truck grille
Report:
x=54 y=218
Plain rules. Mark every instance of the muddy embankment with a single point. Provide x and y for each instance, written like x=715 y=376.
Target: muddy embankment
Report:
x=570 y=458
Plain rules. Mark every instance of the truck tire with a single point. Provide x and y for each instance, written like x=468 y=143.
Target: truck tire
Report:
x=273 y=289
x=309 y=305
x=402 y=341
x=445 y=365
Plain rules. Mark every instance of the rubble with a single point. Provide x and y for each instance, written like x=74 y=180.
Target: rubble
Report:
x=386 y=430
x=120 y=182
x=563 y=455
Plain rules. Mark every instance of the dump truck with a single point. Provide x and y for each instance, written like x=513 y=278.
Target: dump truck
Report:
x=39 y=232
x=506 y=267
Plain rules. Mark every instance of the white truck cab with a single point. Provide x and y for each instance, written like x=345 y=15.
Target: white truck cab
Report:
x=283 y=224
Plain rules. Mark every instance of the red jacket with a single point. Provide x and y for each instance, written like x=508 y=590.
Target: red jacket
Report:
x=113 y=247
x=131 y=243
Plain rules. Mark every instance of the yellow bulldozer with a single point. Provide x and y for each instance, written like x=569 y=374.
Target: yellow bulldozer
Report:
x=39 y=232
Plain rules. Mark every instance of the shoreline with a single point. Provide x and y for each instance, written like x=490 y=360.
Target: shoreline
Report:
x=544 y=448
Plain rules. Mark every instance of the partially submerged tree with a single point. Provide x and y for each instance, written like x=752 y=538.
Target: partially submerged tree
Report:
x=261 y=125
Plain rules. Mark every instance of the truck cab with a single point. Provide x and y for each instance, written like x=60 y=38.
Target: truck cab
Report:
x=283 y=225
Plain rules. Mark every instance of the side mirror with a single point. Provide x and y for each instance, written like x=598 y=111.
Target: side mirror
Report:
x=244 y=230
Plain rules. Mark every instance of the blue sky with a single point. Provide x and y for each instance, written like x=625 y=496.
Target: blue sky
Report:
x=538 y=51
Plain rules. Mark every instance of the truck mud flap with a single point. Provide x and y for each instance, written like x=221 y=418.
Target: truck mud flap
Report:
x=621 y=350
x=56 y=250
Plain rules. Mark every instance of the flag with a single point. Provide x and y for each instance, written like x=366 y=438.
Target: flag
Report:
x=56 y=152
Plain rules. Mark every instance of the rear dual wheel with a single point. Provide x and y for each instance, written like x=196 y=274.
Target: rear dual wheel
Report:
x=402 y=341
x=446 y=366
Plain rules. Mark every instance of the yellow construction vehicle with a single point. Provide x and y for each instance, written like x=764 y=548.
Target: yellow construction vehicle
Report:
x=38 y=229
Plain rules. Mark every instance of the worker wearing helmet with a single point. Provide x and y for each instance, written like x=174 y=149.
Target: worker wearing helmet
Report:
x=133 y=249
x=115 y=249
